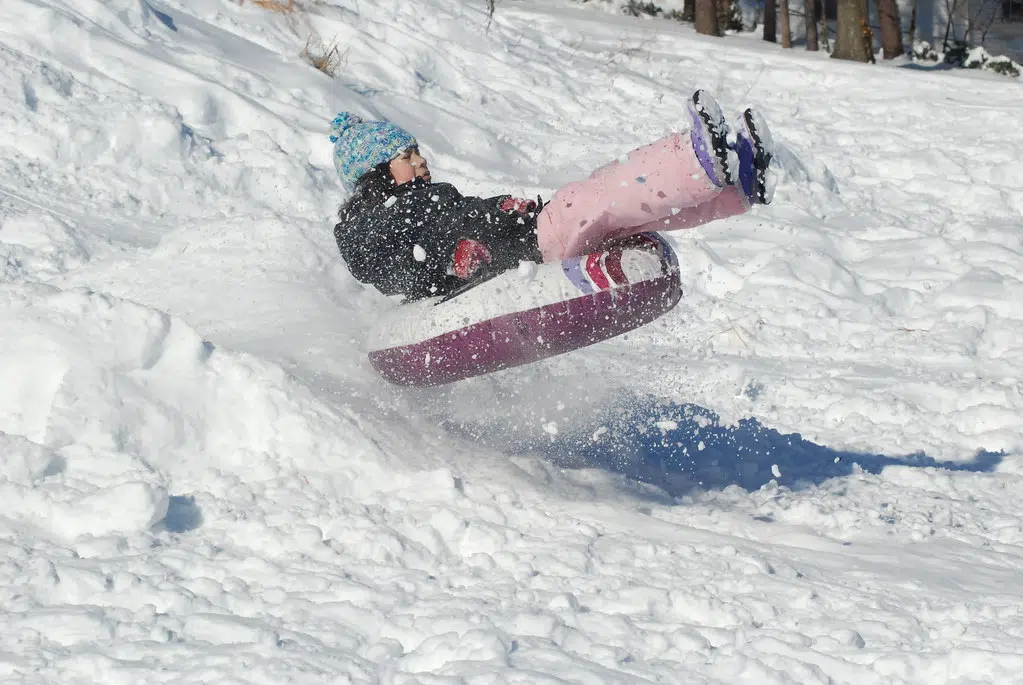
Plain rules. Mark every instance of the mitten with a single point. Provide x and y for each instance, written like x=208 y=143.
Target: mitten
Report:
x=469 y=256
x=516 y=204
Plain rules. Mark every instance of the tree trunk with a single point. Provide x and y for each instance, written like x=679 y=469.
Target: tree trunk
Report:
x=867 y=33
x=688 y=10
x=810 y=7
x=849 y=43
x=707 y=18
x=770 y=21
x=724 y=16
x=786 y=31
x=891 y=28
x=912 y=25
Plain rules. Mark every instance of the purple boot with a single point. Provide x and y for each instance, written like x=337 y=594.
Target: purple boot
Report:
x=755 y=149
x=709 y=133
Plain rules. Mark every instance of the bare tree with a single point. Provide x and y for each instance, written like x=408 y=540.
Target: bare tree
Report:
x=986 y=13
x=867 y=35
x=688 y=10
x=770 y=21
x=726 y=17
x=951 y=9
x=975 y=18
x=707 y=18
x=849 y=32
x=891 y=28
x=810 y=8
x=912 y=24
x=786 y=28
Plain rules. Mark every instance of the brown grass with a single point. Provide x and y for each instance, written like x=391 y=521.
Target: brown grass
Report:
x=282 y=6
x=326 y=58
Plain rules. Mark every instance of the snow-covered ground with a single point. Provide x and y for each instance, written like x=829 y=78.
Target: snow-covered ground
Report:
x=808 y=472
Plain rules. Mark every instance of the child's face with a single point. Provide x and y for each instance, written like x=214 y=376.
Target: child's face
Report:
x=409 y=165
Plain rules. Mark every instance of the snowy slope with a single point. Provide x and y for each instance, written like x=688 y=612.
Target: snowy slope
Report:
x=808 y=472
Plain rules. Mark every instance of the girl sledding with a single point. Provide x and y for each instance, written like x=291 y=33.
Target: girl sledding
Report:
x=406 y=235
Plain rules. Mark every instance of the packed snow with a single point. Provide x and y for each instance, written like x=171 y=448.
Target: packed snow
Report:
x=808 y=472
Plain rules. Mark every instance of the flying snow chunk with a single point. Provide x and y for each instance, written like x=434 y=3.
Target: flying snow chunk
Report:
x=390 y=201
x=419 y=253
x=527 y=270
x=775 y=470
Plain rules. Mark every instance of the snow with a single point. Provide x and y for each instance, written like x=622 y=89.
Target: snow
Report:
x=808 y=472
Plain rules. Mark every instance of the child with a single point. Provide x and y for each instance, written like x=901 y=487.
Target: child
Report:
x=406 y=235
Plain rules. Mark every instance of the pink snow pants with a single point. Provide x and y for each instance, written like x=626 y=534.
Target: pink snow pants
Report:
x=658 y=187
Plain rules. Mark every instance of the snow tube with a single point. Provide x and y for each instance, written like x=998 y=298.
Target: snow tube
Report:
x=525 y=315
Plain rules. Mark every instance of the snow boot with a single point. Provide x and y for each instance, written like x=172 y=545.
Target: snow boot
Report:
x=709 y=132
x=755 y=149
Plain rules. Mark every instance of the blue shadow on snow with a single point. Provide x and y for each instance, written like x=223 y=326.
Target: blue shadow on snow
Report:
x=683 y=447
x=164 y=18
x=183 y=514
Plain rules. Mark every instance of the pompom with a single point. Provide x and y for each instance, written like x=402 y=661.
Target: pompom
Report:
x=341 y=123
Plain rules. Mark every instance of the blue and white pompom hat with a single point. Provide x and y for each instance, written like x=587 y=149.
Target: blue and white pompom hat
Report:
x=361 y=145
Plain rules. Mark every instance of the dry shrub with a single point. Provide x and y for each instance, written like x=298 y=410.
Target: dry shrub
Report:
x=326 y=58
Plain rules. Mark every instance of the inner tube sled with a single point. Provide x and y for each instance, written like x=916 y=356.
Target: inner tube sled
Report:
x=522 y=316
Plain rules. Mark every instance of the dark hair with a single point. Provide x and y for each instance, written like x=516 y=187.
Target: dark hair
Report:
x=373 y=188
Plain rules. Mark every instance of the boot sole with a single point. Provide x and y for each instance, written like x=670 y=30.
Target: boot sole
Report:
x=759 y=135
x=706 y=114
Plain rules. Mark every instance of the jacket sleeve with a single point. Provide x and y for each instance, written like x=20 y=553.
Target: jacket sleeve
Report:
x=509 y=235
x=385 y=252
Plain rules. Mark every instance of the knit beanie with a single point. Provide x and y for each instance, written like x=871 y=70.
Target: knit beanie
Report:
x=361 y=145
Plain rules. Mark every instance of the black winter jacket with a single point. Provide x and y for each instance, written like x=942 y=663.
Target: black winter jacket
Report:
x=405 y=244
